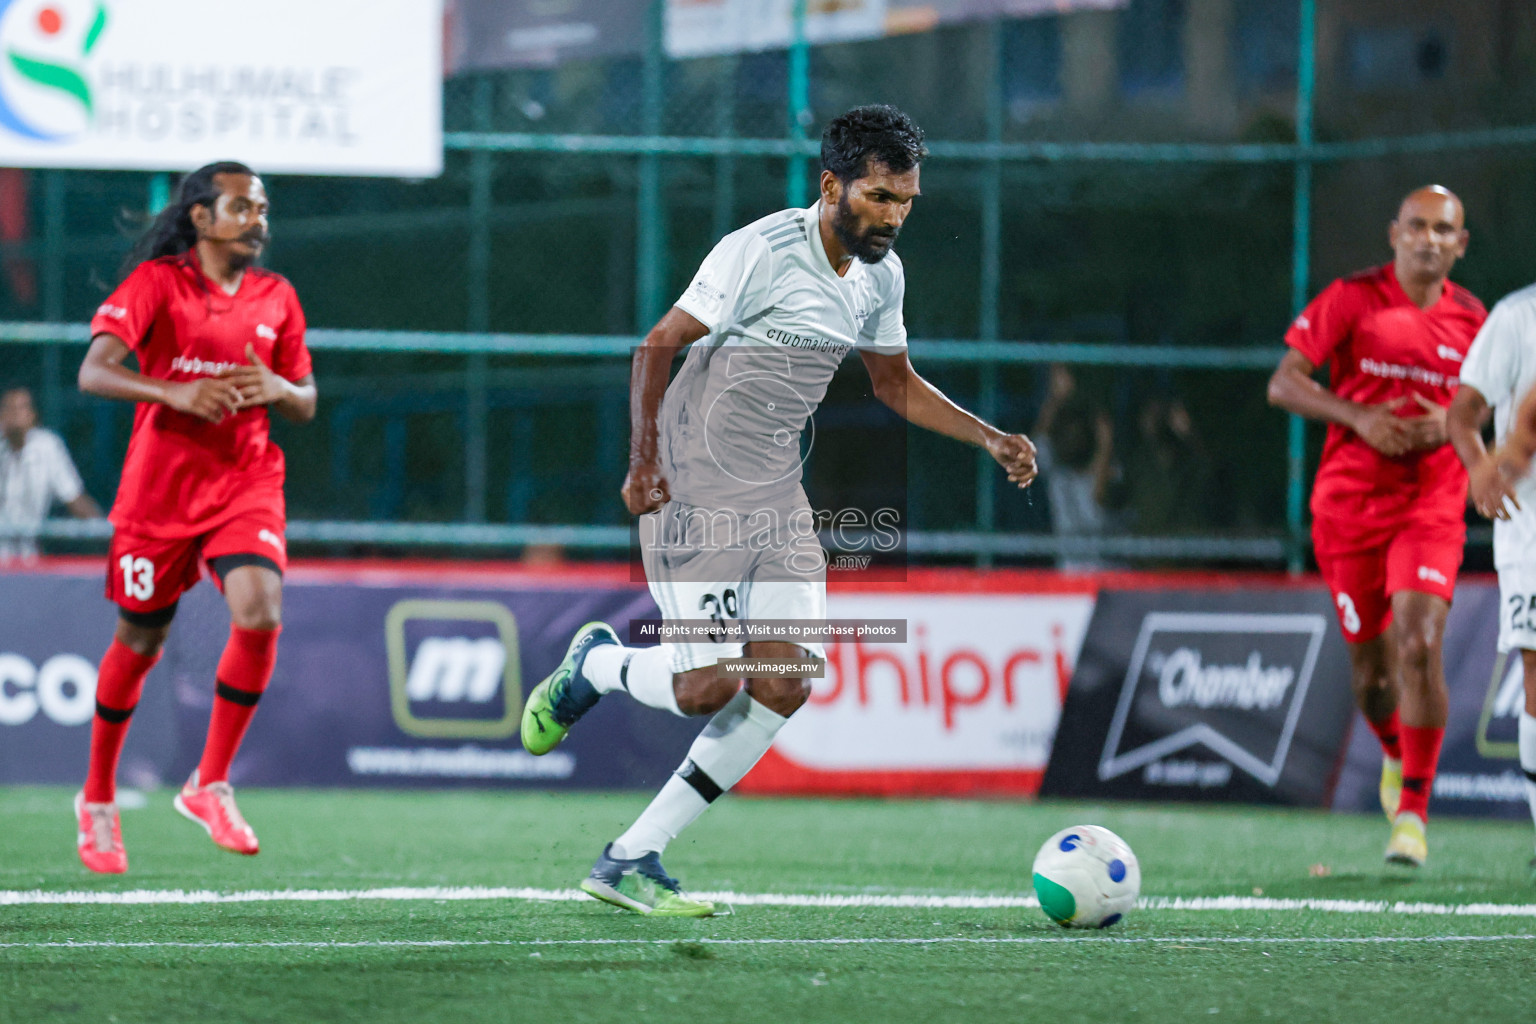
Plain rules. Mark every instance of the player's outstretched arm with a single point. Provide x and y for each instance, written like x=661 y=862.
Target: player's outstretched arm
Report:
x=103 y=374
x=1292 y=388
x=645 y=489
x=904 y=390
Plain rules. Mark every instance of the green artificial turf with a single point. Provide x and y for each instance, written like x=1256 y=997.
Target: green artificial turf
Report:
x=511 y=959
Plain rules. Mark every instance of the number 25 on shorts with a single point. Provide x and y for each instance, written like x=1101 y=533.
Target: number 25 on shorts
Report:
x=138 y=577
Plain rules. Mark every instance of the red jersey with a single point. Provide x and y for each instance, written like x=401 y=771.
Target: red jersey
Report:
x=1378 y=346
x=183 y=475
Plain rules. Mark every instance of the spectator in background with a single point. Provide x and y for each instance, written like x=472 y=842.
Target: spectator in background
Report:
x=1168 y=479
x=35 y=471
x=1075 y=442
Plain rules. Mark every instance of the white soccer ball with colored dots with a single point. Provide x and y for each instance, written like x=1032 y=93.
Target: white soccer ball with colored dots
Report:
x=1086 y=877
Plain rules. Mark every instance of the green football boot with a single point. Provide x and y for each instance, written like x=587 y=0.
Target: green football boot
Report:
x=641 y=885
x=565 y=694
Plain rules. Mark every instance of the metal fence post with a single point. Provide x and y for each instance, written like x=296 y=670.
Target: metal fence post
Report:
x=795 y=191
x=159 y=191
x=54 y=200
x=1301 y=245
x=477 y=365
x=991 y=277
x=725 y=163
x=651 y=238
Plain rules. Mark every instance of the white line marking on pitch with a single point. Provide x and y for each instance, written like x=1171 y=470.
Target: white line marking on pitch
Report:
x=11 y=897
x=1022 y=940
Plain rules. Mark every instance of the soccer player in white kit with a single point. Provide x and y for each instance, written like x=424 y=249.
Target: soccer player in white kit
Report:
x=1499 y=370
x=727 y=533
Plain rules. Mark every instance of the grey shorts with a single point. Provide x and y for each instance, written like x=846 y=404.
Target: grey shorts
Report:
x=703 y=564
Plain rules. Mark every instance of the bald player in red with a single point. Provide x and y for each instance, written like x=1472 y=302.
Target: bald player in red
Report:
x=218 y=342
x=1388 y=525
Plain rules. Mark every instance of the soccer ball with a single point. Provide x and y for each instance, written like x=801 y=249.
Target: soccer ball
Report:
x=1086 y=877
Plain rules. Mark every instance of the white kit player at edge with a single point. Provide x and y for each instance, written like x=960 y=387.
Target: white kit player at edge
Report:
x=1499 y=371
x=727 y=533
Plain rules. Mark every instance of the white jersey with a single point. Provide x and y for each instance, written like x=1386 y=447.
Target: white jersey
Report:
x=30 y=481
x=780 y=321
x=1502 y=366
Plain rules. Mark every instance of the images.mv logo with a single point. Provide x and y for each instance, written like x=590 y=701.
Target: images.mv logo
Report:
x=453 y=669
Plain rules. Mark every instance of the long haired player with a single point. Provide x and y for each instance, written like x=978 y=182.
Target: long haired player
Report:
x=218 y=342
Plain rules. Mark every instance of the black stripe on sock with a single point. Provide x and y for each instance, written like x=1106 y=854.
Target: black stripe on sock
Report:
x=114 y=715
x=245 y=698
x=705 y=786
x=624 y=670
x=1414 y=785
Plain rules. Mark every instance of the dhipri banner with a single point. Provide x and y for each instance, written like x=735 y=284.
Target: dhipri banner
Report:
x=288 y=86
x=1188 y=695
x=967 y=705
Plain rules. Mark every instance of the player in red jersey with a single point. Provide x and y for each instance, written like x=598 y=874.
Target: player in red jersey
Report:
x=1388 y=503
x=218 y=342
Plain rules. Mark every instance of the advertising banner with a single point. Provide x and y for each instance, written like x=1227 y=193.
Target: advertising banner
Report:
x=52 y=636
x=344 y=87
x=921 y=15
x=698 y=28
x=967 y=705
x=395 y=685
x=424 y=686
x=408 y=678
x=1480 y=762
x=492 y=33
x=1193 y=695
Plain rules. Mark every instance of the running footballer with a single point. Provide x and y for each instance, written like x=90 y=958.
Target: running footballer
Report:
x=1500 y=369
x=714 y=473
x=219 y=343
x=1387 y=506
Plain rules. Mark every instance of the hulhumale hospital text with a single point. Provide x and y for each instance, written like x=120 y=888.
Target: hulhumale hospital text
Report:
x=161 y=102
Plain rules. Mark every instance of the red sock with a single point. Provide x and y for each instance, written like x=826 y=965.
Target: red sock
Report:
x=119 y=682
x=1386 y=731
x=1421 y=752
x=244 y=671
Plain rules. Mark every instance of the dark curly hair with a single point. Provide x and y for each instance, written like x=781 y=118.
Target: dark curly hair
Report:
x=875 y=132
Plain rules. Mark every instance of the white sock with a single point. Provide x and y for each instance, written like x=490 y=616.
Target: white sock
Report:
x=1528 y=757
x=646 y=672
x=733 y=741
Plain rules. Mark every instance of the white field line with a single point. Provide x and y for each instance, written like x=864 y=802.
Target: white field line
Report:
x=1021 y=940
x=12 y=897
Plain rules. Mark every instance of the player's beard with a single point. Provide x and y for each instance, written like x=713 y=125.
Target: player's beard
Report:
x=239 y=260
x=864 y=244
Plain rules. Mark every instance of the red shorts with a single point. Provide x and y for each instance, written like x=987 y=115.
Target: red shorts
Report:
x=1364 y=568
x=146 y=574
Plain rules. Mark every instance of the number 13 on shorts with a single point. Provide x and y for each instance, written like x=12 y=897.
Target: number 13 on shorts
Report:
x=138 y=577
